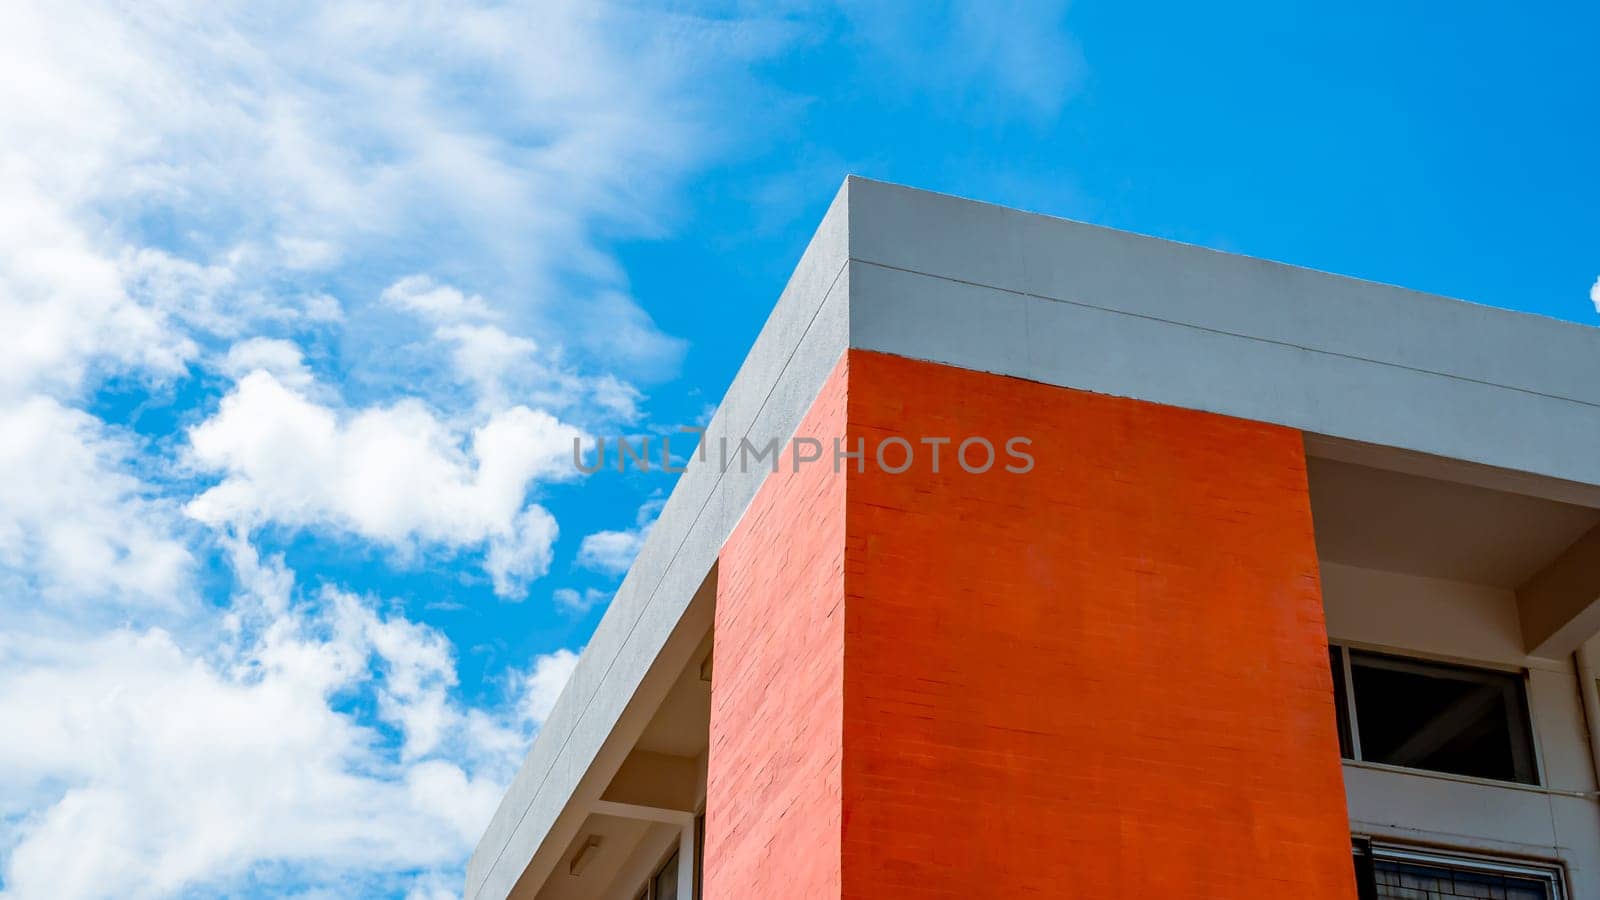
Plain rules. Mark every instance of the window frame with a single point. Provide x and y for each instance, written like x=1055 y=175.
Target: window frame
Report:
x=1345 y=702
x=648 y=892
x=1366 y=851
x=699 y=853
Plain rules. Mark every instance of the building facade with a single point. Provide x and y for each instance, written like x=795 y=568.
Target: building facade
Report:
x=1026 y=558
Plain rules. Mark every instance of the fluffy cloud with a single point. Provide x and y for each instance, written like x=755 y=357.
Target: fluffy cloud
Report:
x=502 y=368
x=63 y=306
x=281 y=359
x=1594 y=294
x=543 y=683
x=612 y=552
x=75 y=525
x=396 y=474
x=152 y=769
x=522 y=555
x=420 y=295
x=181 y=171
x=574 y=600
x=220 y=185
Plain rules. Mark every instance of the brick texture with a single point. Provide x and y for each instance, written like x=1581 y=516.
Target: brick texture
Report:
x=772 y=781
x=1106 y=677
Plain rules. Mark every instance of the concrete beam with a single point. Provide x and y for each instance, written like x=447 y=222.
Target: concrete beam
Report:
x=1445 y=469
x=657 y=780
x=1560 y=606
x=679 y=817
x=682 y=821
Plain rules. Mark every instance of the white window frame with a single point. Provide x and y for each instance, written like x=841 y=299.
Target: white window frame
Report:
x=686 y=847
x=1551 y=874
x=1346 y=685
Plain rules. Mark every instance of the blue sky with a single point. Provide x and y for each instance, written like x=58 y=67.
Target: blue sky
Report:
x=300 y=309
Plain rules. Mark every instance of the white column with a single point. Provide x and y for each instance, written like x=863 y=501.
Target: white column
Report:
x=686 y=862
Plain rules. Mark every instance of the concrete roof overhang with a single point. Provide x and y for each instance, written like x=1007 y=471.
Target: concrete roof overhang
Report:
x=1497 y=394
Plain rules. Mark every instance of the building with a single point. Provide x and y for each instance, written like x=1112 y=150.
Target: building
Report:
x=1296 y=597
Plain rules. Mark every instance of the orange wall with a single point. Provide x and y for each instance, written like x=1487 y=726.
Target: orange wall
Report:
x=772 y=777
x=1104 y=678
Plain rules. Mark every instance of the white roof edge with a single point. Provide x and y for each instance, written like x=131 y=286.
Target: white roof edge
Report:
x=989 y=288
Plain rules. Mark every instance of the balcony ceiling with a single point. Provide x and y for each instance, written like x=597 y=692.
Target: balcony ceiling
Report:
x=1400 y=522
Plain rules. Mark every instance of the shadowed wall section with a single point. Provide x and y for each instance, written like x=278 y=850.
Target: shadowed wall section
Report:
x=777 y=698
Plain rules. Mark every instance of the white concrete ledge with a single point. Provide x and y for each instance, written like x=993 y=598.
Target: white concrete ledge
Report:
x=1060 y=302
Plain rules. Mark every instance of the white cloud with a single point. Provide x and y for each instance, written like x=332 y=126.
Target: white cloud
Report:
x=178 y=172
x=306 y=253
x=577 y=601
x=74 y=524
x=63 y=306
x=541 y=686
x=164 y=770
x=490 y=360
x=503 y=368
x=419 y=295
x=524 y=554
x=396 y=474
x=1594 y=294
x=615 y=398
x=281 y=359
x=194 y=182
x=612 y=552
x=433 y=886
x=322 y=308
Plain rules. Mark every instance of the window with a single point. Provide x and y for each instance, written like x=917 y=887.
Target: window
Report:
x=1434 y=716
x=1395 y=873
x=663 y=885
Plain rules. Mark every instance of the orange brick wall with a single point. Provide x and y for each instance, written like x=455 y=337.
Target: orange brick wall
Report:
x=772 y=779
x=1103 y=678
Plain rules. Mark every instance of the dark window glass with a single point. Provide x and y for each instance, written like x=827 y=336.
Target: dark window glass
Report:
x=1443 y=718
x=666 y=886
